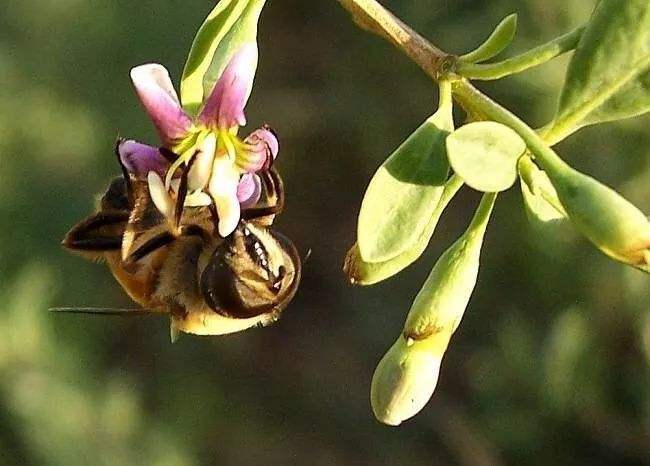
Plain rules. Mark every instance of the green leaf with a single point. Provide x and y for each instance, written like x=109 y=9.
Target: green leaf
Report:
x=405 y=190
x=403 y=193
x=609 y=75
x=485 y=155
x=364 y=273
x=633 y=100
x=230 y=25
x=495 y=44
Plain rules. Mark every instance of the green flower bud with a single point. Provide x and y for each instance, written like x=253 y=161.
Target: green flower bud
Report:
x=440 y=304
x=405 y=380
x=406 y=377
x=608 y=220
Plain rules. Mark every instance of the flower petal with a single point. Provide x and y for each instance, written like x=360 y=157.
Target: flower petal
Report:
x=159 y=195
x=224 y=108
x=266 y=134
x=159 y=98
x=198 y=199
x=249 y=190
x=140 y=159
x=258 y=151
x=223 y=189
x=201 y=170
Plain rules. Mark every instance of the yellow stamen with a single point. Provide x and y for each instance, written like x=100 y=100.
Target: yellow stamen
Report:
x=185 y=151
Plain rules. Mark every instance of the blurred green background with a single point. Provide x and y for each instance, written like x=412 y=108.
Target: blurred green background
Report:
x=550 y=365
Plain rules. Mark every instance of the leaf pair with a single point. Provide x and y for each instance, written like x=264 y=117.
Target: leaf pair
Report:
x=409 y=192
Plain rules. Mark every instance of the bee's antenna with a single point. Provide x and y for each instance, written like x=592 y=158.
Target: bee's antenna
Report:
x=104 y=311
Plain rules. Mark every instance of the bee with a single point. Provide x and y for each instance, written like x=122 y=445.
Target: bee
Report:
x=207 y=284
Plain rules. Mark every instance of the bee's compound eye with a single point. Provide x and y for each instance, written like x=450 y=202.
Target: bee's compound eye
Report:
x=224 y=290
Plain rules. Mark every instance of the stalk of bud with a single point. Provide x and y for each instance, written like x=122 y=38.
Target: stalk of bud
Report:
x=406 y=377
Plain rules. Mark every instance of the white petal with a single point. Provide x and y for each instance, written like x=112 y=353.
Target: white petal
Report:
x=159 y=195
x=225 y=176
x=229 y=213
x=202 y=168
x=198 y=199
x=223 y=189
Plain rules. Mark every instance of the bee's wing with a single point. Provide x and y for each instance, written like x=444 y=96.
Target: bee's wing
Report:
x=97 y=234
x=102 y=231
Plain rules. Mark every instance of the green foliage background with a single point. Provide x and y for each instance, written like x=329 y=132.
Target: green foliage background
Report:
x=550 y=365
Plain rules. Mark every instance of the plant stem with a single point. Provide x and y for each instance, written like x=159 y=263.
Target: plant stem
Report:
x=371 y=16
x=482 y=215
x=445 y=101
x=529 y=59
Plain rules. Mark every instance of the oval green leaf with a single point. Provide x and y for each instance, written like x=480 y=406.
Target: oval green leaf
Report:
x=495 y=44
x=230 y=25
x=363 y=273
x=609 y=75
x=484 y=154
x=405 y=190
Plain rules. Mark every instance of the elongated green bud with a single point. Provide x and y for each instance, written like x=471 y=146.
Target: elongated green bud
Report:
x=614 y=225
x=406 y=377
x=440 y=304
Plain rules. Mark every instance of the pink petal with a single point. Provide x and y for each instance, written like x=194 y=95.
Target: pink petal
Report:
x=140 y=159
x=224 y=108
x=249 y=190
x=259 y=150
x=159 y=98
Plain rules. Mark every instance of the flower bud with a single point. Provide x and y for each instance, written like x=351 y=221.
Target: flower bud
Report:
x=405 y=380
x=608 y=220
x=440 y=304
x=406 y=377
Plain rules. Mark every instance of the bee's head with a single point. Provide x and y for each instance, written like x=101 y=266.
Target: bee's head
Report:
x=254 y=271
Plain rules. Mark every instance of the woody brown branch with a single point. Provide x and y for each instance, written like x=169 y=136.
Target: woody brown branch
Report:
x=373 y=17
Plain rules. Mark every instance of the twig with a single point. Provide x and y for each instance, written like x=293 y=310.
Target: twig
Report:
x=371 y=16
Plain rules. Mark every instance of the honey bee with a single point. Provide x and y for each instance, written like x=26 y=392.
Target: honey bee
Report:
x=207 y=284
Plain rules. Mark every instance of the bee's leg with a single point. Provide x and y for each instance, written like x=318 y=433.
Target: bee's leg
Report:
x=125 y=172
x=215 y=216
x=98 y=233
x=274 y=189
x=163 y=239
x=182 y=193
x=150 y=246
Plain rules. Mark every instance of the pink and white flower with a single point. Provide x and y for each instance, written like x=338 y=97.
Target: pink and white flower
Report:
x=225 y=166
